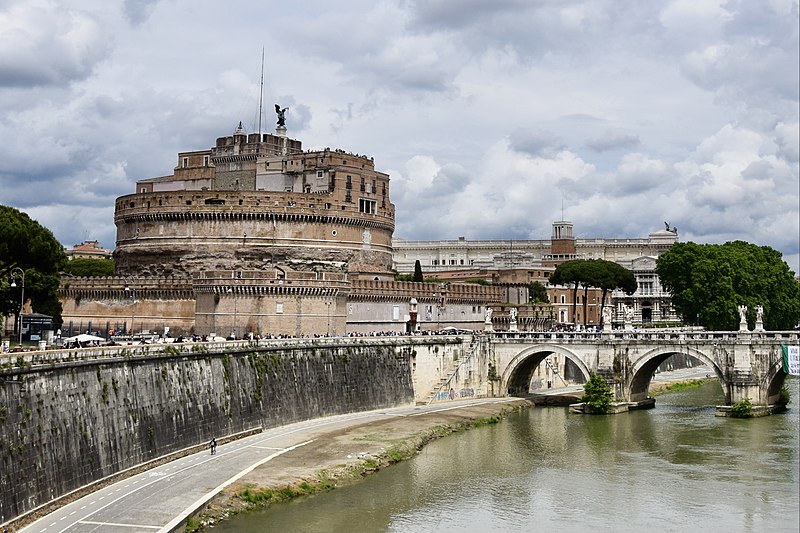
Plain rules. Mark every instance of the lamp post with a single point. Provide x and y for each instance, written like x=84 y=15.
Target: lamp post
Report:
x=21 y=297
x=129 y=288
x=412 y=314
x=233 y=329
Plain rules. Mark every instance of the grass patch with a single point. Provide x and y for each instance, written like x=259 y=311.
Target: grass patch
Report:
x=192 y=525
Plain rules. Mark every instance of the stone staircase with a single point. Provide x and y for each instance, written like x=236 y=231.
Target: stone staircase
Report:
x=446 y=382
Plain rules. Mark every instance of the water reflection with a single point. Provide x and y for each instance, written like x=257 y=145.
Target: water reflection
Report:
x=674 y=468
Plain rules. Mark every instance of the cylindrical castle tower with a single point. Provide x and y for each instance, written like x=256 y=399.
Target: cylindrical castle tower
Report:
x=254 y=202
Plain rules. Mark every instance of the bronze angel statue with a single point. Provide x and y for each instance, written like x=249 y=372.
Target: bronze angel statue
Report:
x=281 y=115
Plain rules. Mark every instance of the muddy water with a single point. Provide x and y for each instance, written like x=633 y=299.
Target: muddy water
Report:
x=673 y=468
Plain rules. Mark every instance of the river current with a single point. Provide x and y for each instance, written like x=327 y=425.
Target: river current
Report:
x=673 y=468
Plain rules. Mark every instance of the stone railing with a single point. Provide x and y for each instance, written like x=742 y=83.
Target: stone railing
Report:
x=644 y=335
x=26 y=360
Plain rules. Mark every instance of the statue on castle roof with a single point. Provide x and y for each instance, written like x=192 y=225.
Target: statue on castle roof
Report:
x=281 y=115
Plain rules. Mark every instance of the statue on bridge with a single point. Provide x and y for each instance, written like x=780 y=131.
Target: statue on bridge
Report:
x=607 y=318
x=759 y=318
x=743 y=318
x=487 y=322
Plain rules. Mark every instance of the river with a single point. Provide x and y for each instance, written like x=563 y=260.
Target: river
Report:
x=673 y=468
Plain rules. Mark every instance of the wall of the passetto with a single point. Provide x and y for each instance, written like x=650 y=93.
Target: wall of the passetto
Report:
x=102 y=304
x=268 y=302
x=179 y=233
x=271 y=303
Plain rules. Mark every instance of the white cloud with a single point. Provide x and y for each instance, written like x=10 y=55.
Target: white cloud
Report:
x=487 y=115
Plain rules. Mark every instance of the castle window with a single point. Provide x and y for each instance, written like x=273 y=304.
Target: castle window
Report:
x=185 y=162
x=367 y=206
x=213 y=201
x=279 y=308
x=348 y=182
x=319 y=173
x=205 y=160
x=363 y=186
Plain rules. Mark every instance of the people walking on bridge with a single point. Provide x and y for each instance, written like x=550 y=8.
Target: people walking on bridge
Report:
x=213 y=446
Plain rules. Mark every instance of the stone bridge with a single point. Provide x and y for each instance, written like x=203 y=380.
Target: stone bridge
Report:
x=748 y=364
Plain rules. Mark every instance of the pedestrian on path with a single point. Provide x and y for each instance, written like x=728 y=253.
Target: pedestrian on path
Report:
x=213 y=446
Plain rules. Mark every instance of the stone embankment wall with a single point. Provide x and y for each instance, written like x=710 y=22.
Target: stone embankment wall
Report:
x=67 y=420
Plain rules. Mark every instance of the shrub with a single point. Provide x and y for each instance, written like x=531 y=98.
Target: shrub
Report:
x=742 y=409
x=597 y=394
x=785 y=397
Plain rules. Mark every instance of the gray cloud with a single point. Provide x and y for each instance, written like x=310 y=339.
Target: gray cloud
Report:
x=42 y=43
x=612 y=141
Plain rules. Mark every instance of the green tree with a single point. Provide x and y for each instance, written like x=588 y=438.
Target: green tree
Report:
x=418 y=272
x=708 y=282
x=25 y=244
x=611 y=276
x=537 y=292
x=597 y=394
x=85 y=267
x=569 y=273
x=598 y=273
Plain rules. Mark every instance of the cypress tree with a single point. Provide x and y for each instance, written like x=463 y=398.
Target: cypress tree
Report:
x=418 y=272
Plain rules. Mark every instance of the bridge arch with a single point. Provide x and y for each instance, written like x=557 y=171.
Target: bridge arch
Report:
x=517 y=375
x=773 y=380
x=642 y=369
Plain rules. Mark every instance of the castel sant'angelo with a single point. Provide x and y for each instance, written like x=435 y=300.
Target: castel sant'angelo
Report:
x=255 y=235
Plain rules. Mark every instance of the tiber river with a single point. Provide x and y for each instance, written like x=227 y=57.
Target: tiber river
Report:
x=673 y=468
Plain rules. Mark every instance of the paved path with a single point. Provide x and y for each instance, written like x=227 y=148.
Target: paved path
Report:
x=158 y=500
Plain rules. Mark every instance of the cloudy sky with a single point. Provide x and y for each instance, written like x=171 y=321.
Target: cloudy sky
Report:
x=489 y=115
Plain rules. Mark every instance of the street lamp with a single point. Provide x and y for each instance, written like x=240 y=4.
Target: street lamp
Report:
x=129 y=288
x=233 y=329
x=21 y=297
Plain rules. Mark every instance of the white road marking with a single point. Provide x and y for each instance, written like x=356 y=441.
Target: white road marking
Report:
x=117 y=524
x=196 y=505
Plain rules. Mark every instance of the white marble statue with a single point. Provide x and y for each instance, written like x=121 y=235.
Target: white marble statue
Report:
x=628 y=314
x=742 y=313
x=607 y=315
x=488 y=319
x=512 y=313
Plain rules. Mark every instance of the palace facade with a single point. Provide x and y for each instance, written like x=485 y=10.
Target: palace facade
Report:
x=519 y=262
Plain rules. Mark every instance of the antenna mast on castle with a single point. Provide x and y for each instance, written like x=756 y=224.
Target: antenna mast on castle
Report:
x=261 y=93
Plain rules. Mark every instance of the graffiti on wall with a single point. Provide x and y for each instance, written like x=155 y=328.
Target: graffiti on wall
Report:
x=452 y=394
